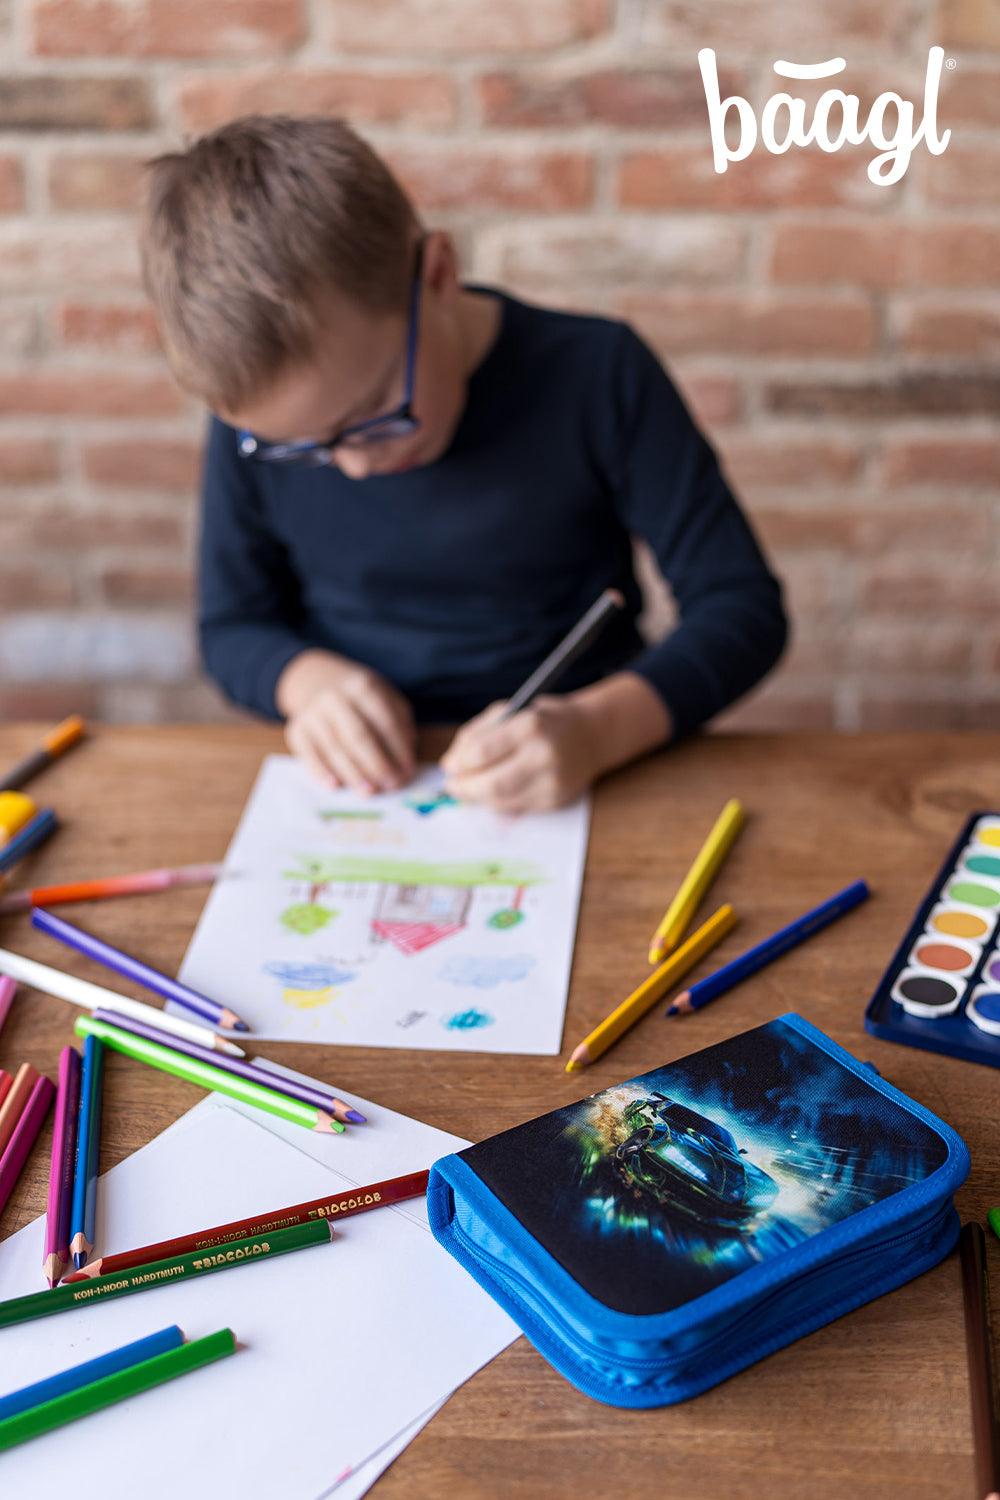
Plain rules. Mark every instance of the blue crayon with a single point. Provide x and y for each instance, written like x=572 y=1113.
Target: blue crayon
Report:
x=86 y=1374
x=755 y=958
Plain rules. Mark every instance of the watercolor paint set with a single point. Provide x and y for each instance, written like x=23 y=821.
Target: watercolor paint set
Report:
x=942 y=989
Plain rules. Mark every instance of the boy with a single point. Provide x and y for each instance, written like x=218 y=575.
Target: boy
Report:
x=413 y=488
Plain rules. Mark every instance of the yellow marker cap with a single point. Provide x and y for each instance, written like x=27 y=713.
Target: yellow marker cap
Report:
x=15 y=810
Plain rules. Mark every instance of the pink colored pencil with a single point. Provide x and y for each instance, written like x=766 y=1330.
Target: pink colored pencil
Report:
x=7 y=988
x=25 y=1134
x=62 y=1167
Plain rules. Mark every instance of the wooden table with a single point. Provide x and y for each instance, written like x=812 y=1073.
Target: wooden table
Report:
x=874 y=1405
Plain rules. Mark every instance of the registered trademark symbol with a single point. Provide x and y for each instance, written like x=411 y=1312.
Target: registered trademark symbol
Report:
x=951 y=62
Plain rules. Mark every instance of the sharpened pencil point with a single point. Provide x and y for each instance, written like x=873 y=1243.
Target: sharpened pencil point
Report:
x=356 y=1118
x=579 y=1059
x=240 y=1026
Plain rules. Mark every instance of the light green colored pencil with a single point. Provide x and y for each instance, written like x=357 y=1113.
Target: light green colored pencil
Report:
x=117 y=1387
x=196 y=1071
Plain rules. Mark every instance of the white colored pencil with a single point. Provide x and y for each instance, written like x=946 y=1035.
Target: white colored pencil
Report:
x=92 y=996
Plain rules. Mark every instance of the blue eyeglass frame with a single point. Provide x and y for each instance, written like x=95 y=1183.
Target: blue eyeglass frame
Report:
x=399 y=422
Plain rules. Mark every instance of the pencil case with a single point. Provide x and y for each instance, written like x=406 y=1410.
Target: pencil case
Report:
x=655 y=1238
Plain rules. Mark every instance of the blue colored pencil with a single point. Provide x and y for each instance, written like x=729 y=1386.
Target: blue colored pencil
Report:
x=755 y=958
x=88 y=1143
x=34 y=832
x=94 y=1369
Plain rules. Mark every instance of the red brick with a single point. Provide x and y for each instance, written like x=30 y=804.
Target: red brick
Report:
x=957 y=254
x=784 y=28
x=11 y=185
x=88 y=393
x=881 y=711
x=455 y=27
x=684 y=177
x=969 y=24
x=166 y=28
x=871 y=254
x=143 y=584
x=779 y=710
x=753 y=324
x=835 y=524
x=954 y=461
x=780 y=459
x=969 y=95
x=608 y=254
x=19 y=330
x=937 y=328
x=143 y=465
x=96 y=180
x=829 y=529
x=713 y=399
x=661 y=98
x=967 y=176
x=68 y=102
x=952 y=586
x=45 y=702
x=910 y=393
x=124 y=328
x=27 y=461
x=464 y=178
x=54 y=525
x=426 y=99
x=882 y=646
x=28 y=584
x=39 y=254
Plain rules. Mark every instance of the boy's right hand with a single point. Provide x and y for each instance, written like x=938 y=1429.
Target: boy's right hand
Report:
x=349 y=725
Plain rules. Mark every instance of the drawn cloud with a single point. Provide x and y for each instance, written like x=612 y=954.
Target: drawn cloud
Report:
x=487 y=973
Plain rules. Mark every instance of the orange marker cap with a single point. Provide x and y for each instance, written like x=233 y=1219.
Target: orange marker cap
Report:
x=65 y=734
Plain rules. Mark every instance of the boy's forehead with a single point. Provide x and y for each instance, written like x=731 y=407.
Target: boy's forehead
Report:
x=312 y=396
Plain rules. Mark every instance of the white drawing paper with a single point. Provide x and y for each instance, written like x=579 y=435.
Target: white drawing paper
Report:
x=401 y=920
x=345 y=1349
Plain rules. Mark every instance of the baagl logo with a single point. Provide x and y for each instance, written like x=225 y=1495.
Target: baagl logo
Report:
x=896 y=149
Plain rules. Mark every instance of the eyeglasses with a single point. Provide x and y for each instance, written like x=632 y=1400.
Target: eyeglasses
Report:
x=399 y=422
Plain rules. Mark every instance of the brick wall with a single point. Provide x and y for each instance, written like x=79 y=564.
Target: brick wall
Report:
x=838 y=340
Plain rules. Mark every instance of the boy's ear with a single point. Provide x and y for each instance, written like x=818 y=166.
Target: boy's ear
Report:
x=440 y=265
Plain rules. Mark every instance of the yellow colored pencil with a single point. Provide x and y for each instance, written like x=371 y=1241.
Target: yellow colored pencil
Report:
x=637 y=1004
x=696 y=882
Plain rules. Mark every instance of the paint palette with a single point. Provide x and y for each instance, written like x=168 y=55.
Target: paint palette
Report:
x=942 y=988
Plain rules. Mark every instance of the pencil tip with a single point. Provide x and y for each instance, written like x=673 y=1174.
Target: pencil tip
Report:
x=240 y=1026
x=355 y=1117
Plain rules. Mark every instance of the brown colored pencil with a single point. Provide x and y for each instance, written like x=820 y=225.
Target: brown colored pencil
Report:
x=13 y=1106
x=335 y=1206
x=976 y=1291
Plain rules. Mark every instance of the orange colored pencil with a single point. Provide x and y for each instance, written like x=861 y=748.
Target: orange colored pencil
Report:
x=111 y=885
x=17 y=1097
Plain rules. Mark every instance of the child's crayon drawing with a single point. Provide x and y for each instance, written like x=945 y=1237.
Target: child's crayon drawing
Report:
x=352 y=920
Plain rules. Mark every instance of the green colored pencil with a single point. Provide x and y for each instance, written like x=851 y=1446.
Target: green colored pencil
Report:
x=196 y=1071
x=117 y=1387
x=164 y=1272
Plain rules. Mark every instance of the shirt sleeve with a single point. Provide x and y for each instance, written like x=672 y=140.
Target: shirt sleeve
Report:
x=248 y=597
x=670 y=491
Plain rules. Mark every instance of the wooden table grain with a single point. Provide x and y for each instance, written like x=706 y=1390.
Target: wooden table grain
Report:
x=874 y=1405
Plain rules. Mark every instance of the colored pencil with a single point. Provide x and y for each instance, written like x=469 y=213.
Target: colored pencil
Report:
x=7 y=989
x=6 y=1083
x=39 y=828
x=24 y=1136
x=111 y=885
x=584 y=632
x=16 y=1102
x=117 y=1387
x=88 y=1143
x=771 y=948
x=16 y=809
x=95 y=997
x=637 y=1004
x=55 y=743
x=60 y=1202
x=207 y=1076
x=93 y=1369
x=318 y=1098
x=133 y=968
x=164 y=1272
x=975 y=1295
x=696 y=882
x=340 y=1107
x=333 y=1206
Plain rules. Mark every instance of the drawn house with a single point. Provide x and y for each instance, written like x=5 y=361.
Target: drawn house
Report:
x=412 y=917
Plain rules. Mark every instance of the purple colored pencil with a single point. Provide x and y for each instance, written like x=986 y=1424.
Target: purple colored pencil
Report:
x=62 y=1167
x=319 y=1098
x=7 y=988
x=132 y=968
x=25 y=1133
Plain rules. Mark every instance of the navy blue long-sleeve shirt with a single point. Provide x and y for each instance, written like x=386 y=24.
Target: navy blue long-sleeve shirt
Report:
x=455 y=579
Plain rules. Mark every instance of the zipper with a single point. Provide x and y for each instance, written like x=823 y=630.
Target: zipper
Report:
x=527 y=1294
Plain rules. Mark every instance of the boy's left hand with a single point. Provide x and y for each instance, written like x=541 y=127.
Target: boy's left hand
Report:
x=550 y=752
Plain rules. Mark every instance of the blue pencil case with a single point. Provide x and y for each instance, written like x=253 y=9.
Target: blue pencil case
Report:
x=661 y=1235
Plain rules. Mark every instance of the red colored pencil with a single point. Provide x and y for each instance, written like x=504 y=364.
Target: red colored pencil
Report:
x=16 y=1102
x=25 y=1133
x=335 y=1206
x=7 y=988
x=5 y=1084
x=110 y=885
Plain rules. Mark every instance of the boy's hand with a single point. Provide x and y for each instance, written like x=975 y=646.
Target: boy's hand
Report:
x=349 y=725
x=550 y=752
